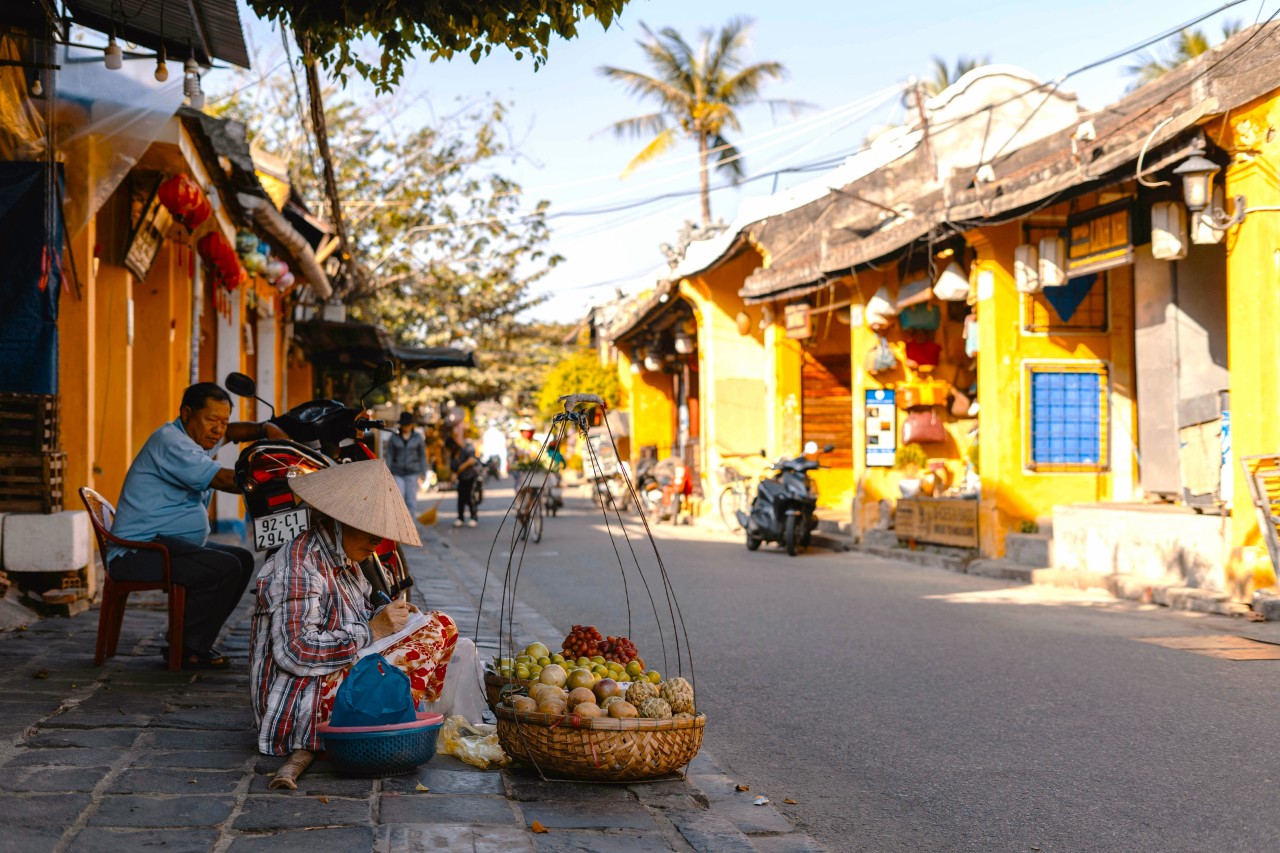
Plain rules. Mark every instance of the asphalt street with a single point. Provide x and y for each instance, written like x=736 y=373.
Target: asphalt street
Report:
x=909 y=708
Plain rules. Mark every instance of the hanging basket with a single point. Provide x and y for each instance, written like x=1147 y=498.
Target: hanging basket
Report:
x=579 y=746
x=600 y=749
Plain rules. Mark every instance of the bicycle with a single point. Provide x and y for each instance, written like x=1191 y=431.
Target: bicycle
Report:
x=528 y=514
x=736 y=495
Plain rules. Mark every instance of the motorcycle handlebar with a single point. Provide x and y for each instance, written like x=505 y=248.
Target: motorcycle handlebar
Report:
x=363 y=424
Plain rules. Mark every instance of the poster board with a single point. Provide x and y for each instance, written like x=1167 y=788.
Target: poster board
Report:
x=147 y=237
x=881 y=427
x=938 y=521
x=797 y=321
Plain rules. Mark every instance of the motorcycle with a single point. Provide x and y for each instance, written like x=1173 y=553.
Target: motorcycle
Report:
x=493 y=468
x=322 y=433
x=784 y=507
x=660 y=487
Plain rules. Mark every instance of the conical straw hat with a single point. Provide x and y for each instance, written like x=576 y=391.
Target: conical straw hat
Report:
x=362 y=495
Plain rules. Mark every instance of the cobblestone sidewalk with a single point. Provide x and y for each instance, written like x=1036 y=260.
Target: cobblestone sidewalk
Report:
x=131 y=757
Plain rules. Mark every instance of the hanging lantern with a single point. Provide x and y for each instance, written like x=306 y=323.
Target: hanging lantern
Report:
x=274 y=268
x=744 y=323
x=285 y=281
x=255 y=261
x=183 y=198
x=246 y=242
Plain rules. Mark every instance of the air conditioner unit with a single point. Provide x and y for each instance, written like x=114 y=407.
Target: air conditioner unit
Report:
x=1053 y=262
x=1026 y=268
x=1168 y=231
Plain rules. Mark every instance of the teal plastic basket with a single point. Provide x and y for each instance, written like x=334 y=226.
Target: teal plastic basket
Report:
x=382 y=750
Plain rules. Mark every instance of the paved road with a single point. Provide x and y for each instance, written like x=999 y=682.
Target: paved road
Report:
x=907 y=708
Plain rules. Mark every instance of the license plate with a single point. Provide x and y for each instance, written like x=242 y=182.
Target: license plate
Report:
x=273 y=531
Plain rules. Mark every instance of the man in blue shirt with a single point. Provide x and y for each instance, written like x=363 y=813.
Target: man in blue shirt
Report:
x=165 y=499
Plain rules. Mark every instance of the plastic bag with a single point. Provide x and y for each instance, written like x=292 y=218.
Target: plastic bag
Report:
x=375 y=693
x=477 y=745
x=880 y=311
x=880 y=358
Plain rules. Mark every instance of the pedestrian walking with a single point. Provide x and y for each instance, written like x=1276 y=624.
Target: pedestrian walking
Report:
x=406 y=457
x=465 y=467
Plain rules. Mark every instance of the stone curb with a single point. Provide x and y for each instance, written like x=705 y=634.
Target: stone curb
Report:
x=1121 y=586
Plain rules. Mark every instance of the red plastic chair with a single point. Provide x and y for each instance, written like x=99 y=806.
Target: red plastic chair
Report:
x=115 y=594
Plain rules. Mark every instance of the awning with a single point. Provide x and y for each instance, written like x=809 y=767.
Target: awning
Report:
x=331 y=344
x=208 y=28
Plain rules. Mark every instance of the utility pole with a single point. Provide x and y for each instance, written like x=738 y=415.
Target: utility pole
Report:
x=924 y=128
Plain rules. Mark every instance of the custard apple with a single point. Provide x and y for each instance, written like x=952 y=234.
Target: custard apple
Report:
x=678 y=693
x=640 y=691
x=655 y=709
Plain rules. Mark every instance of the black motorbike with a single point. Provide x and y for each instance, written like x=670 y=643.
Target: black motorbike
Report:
x=784 y=508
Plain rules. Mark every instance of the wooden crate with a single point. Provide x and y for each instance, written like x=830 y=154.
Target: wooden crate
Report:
x=31 y=482
x=28 y=423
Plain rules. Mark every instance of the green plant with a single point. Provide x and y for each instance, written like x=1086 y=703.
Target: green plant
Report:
x=909 y=457
x=1028 y=527
x=579 y=373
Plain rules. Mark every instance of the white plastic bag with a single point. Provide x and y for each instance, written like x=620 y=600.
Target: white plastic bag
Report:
x=881 y=309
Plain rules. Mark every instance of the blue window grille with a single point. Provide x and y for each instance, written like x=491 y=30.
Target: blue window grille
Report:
x=1068 y=423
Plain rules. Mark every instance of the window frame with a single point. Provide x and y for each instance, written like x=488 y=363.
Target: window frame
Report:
x=1091 y=366
x=1024 y=315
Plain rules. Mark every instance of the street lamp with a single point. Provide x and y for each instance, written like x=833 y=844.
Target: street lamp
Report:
x=1197 y=181
x=1197 y=190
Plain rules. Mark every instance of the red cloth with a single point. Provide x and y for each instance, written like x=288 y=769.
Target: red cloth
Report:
x=923 y=352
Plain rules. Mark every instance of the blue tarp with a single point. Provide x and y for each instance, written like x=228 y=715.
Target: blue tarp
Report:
x=30 y=279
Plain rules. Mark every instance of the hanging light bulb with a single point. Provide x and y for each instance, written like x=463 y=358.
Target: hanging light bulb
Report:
x=191 y=81
x=162 y=66
x=113 y=56
x=37 y=88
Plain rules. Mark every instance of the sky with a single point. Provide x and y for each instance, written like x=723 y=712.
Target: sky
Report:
x=842 y=57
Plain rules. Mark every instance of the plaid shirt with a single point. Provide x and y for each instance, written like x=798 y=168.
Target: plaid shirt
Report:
x=310 y=621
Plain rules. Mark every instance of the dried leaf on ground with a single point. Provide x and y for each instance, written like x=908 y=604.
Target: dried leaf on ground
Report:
x=537 y=826
x=790 y=802
x=742 y=788
x=422 y=789
x=322 y=798
x=761 y=801
x=40 y=673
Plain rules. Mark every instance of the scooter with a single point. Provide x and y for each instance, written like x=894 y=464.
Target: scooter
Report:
x=784 y=507
x=322 y=433
x=660 y=487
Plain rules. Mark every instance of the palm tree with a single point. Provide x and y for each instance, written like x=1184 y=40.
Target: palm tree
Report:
x=699 y=92
x=1185 y=46
x=944 y=76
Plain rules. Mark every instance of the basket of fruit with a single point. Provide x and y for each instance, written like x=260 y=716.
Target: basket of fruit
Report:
x=594 y=710
x=589 y=717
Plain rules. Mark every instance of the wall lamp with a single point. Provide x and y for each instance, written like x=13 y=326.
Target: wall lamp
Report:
x=1197 y=190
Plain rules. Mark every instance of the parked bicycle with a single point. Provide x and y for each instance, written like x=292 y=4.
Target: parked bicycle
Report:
x=737 y=494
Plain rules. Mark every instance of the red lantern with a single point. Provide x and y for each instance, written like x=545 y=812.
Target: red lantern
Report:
x=185 y=200
x=220 y=257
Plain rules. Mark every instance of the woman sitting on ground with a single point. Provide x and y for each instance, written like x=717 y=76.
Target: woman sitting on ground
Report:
x=313 y=614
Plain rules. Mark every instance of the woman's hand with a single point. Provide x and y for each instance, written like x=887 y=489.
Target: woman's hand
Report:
x=389 y=619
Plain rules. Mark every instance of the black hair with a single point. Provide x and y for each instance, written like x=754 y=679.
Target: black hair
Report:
x=197 y=396
x=451 y=442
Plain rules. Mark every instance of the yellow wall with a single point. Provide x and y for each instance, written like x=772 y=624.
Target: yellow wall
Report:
x=1253 y=300
x=732 y=371
x=1010 y=492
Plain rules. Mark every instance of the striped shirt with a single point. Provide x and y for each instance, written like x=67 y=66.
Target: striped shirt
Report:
x=311 y=619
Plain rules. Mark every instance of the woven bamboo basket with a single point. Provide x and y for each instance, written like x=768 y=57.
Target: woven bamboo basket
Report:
x=600 y=749
x=493 y=684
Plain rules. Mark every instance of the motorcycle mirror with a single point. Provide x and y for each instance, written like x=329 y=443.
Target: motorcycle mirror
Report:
x=827 y=448
x=241 y=385
x=382 y=374
x=244 y=386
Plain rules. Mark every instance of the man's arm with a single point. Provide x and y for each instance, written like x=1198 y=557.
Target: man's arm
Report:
x=242 y=431
x=225 y=481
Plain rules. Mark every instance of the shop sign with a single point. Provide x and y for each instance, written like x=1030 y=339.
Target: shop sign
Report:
x=1101 y=238
x=938 y=521
x=796 y=320
x=147 y=238
x=882 y=427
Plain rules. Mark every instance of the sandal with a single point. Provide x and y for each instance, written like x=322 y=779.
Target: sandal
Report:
x=206 y=660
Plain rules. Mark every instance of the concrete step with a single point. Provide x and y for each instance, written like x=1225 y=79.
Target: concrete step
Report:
x=1000 y=569
x=843 y=527
x=1033 y=550
x=831 y=540
x=880 y=538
